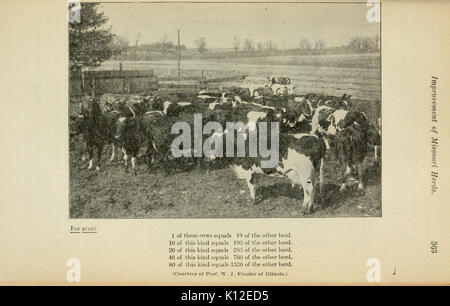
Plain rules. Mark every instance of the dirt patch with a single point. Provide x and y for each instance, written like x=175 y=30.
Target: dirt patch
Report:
x=113 y=192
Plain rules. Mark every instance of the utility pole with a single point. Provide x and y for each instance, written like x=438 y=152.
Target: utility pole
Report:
x=179 y=59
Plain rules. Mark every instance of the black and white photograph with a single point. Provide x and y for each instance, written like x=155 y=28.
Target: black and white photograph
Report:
x=224 y=110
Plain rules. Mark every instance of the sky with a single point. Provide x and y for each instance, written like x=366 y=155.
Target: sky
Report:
x=283 y=23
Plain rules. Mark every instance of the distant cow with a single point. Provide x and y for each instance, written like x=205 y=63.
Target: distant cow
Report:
x=262 y=91
x=279 y=89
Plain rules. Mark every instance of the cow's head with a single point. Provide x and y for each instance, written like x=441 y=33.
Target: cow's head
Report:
x=372 y=135
x=157 y=103
x=359 y=120
x=345 y=101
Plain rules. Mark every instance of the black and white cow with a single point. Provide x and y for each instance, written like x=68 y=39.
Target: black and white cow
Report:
x=138 y=132
x=352 y=143
x=300 y=160
x=128 y=106
x=334 y=102
x=297 y=115
x=377 y=124
x=152 y=131
x=300 y=155
x=327 y=120
x=352 y=133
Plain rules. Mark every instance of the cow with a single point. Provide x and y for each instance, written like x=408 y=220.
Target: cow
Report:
x=335 y=102
x=242 y=93
x=327 y=120
x=97 y=129
x=252 y=89
x=152 y=131
x=298 y=115
x=279 y=80
x=351 y=148
x=174 y=109
x=300 y=153
x=301 y=157
x=262 y=91
x=352 y=134
x=128 y=106
x=282 y=90
x=376 y=148
x=135 y=133
x=209 y=96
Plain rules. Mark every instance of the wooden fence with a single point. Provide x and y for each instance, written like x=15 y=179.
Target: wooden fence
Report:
x=112 y=81
x=137 y=81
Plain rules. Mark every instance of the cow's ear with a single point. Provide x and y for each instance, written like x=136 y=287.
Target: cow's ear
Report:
x=343 y=97
x=349 y=96
x=360 y=118
x=349 y=118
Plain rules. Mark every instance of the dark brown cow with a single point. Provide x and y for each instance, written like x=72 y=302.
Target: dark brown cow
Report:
x=97 y=128
x=352 y=143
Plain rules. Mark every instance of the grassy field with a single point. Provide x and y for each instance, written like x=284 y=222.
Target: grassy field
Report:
x=114 y=193
x=365 y=60
x=355 y=74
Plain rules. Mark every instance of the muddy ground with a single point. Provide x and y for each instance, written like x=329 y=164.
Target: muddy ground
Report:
x=113 y=192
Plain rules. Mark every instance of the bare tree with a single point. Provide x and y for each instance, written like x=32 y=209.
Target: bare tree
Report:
x=248 y=45
x=362 y=44
x=236 y=43
x=355 y=43
x=305 y=44
x=376 y=40
x=259 y=46
x=368 y=43
x=201 y=45
x=165 y=44
x=320 y=44
x=138 y=39
x=119 y=44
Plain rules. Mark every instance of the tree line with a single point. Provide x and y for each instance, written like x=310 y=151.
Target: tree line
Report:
x=90 y=43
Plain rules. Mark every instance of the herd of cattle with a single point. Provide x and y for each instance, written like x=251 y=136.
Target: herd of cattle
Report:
x=309 y=126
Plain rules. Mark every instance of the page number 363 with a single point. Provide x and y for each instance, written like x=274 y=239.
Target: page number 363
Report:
x=434 y=247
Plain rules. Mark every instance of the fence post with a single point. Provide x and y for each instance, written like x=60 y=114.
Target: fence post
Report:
x=93 y=84
x=83 y=86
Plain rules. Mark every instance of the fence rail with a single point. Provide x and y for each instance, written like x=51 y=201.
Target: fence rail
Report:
x=136 y=81
x=112 y=81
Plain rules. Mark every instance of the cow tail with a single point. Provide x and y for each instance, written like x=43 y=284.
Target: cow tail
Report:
x=322 y=155
x=154 y=146
x=321 y=176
